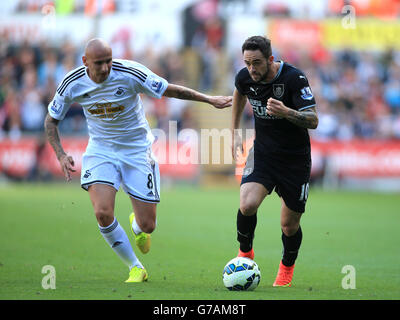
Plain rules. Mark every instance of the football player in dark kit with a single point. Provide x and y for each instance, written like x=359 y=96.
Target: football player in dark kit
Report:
x=284 y=110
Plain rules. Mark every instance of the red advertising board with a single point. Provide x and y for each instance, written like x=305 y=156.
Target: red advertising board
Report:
x=17 y=158
x=295 y=33
x=358 y=158
x=355 y=158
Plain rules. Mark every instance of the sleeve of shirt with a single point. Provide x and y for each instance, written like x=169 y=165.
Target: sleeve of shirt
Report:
x=302 y=96
x=59 y=106
x=147 y=81
x=239 y=85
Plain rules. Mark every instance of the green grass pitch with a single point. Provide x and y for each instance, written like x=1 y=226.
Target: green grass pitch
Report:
x=195 y=236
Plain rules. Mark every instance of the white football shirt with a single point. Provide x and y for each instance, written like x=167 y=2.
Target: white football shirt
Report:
x=113 y=108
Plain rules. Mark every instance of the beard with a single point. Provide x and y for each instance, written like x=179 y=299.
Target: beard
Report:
x=258 y=77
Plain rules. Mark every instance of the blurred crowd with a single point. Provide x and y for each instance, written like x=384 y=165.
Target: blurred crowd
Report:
x=30 y=74
x=357 y=93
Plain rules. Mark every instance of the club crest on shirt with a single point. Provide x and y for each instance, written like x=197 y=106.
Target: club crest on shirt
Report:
x=120 y=91
x=278 y=90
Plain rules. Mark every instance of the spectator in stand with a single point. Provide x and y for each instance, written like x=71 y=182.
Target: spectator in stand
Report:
x=10 y=120
x=392 y=89
x=50 y=69
x=358 y=92
x=33 y=111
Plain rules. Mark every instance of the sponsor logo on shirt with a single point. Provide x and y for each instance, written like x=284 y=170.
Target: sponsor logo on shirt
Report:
x=109 y=110
x=254 y=90
x=260 y=110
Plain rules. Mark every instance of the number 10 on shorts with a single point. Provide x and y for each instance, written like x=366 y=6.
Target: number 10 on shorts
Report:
x=304 y=192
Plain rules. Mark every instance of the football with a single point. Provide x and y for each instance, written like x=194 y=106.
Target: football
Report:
x=241 y=274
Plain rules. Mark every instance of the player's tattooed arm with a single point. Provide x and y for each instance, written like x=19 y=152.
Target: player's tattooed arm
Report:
x=184 y=93
x=66 y=162
x=51 y=129
x=307 y=118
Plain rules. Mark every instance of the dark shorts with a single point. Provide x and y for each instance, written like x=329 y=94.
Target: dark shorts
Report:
x=289 y=175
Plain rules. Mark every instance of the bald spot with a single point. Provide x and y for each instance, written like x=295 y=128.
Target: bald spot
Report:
x=96 y=48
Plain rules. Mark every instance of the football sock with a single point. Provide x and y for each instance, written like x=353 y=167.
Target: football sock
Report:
x=135 y=227
x=291 y=246
x=116 y=237
x=245 y=230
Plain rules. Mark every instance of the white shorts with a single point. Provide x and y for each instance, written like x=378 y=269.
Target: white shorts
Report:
x=138 y=173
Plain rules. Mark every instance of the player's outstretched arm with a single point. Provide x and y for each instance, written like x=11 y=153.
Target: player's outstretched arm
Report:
x=307 y=118
x=66 y=162
x=184 y=93
x=238 y=104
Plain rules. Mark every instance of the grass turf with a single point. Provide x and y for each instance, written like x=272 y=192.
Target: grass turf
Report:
x=195 y=237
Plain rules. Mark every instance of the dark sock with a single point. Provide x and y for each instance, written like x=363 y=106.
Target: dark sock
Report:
x=291 y=246
x=245 y=230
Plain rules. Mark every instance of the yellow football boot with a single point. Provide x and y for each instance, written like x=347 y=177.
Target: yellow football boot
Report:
x=137 y=275
x=143 y=240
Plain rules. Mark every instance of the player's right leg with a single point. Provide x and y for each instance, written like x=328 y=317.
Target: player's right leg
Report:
x=101 y=179
x=251 y=196
x=103 y=200
x=253 y=190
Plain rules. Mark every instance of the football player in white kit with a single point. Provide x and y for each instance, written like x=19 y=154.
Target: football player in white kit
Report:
x=120 y=140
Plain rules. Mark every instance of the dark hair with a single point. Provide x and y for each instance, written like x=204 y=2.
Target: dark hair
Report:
x=258 y=43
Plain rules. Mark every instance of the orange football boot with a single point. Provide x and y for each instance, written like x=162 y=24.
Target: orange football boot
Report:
x=284 y=276
x=249 y=254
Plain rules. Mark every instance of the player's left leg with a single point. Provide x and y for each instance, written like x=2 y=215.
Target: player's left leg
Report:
x=141 y=181
x=291 y=240
x=293 y=186
x=143 y=222
x=103 y=199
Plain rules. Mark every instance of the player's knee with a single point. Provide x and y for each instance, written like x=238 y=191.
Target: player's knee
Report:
x=289 y=228
x=104 y=216
x=248 y=208
x=148 y=226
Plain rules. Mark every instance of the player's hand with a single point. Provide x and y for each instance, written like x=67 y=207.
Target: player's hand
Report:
x=67 y=163
x=276 y=108
x=237 y=143
x=221 y=102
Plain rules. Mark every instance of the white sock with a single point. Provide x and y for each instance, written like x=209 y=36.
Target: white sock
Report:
x=116 y=237
x=135 y=227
